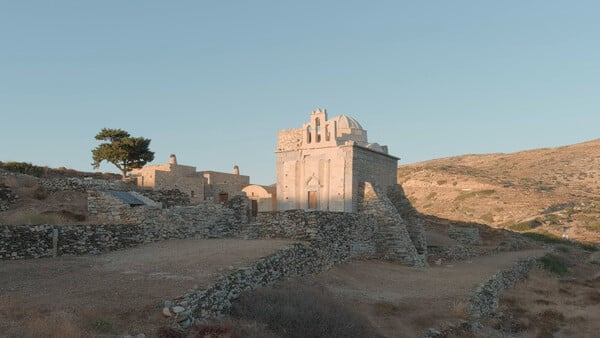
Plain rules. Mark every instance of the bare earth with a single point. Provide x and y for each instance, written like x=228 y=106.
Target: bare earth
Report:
x=115 y=293
x=402 y=301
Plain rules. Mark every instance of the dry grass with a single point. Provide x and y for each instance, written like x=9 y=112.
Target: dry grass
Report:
x=460 y=309
x=224 y=329
x=386 y=309
x=513 y=188
x=59 y=324
x=549 y=305
x=39 y=322
x=296 y=309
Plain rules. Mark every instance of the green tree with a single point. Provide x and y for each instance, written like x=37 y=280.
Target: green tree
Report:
x=122 y=150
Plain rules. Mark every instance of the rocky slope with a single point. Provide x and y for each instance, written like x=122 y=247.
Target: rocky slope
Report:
x=554 y=189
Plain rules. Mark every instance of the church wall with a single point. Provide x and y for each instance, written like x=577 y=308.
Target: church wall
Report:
x=373 y=167
x=290 y=139
x=323 y=170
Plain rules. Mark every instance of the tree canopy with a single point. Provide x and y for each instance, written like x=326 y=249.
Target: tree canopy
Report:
x=122 y=150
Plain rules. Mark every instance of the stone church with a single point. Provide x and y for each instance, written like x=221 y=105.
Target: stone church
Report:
x=322 y=165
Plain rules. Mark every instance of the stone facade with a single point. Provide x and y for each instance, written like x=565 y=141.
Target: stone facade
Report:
x=222 y=186
x=198 y=185
x=322 y=165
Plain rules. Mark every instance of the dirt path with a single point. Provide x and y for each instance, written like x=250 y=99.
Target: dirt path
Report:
x=116 y=293
x=403 y=301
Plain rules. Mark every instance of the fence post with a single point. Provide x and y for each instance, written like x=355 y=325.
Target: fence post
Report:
x=54 y=242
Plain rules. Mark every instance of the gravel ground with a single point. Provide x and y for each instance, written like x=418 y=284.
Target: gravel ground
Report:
x=114 y=293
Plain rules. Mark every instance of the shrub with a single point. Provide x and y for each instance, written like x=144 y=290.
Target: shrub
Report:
x=488 y=218
x=545 y=237
x=102 y=326
x=555 y=264
x=24 y=168
x=527 y=225
x=299 y=310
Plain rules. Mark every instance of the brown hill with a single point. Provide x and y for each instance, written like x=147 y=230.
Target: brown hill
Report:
x=553 y=189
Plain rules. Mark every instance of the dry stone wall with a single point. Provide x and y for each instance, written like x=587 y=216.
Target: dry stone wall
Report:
x=345 y=235
x=7 y=198
x=207 y=220
x=464 y=235
x=168 y=198
x=295 y=260
x=81 y=184
x=377 y=231
x=484 y=299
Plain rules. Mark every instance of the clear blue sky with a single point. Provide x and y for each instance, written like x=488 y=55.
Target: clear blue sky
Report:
x=213 y=81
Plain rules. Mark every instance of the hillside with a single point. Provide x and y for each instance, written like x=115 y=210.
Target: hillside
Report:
x=552 y=189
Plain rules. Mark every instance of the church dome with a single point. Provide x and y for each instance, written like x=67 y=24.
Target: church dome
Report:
x=346 y=122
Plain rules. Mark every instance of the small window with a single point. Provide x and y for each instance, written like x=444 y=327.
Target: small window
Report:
x=192 y=194
x=223 y=197
x=308 y=134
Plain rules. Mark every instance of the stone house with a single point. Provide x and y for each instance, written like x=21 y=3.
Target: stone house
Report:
x=198 y=185
x=262 y=198
x=322 y=165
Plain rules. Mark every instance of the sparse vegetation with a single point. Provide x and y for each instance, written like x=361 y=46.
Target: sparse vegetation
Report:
x=555 y=264
x=525 y=226
x=549 y=238
x=24 y=168
x=481 y=193
x=299 y=310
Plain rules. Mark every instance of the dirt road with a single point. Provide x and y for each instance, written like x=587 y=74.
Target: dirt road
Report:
x=115 y=293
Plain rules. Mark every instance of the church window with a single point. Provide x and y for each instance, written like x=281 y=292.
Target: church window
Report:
x=308 y=134
x=318 y=126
